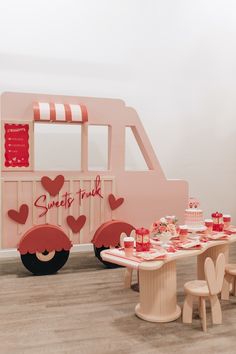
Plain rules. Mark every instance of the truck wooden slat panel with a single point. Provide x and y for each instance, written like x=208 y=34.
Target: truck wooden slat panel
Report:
x=27 y=191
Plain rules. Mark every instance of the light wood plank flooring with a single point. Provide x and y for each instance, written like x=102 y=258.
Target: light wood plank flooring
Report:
x=85 y=309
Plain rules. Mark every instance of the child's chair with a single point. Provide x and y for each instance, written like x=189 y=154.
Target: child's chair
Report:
x=204 y=289
x=229 y=281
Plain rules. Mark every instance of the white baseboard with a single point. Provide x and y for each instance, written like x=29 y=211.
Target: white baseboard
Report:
x=13 y=253
x=82 y=248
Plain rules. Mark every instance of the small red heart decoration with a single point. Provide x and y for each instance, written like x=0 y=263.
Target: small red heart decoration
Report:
x=21 y=215
x=113 y=202
x=76 y=224
x=54 y=186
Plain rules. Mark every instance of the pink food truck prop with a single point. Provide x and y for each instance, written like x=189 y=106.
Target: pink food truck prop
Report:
x=45 y=213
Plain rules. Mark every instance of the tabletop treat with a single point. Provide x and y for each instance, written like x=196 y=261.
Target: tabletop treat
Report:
x=171 y=219
x=142 y=240
x=226 y=221
x=165 y=224
x=183 y=232
x=128 y=245
x=209 y=226
x=164 y=229
x=217 y=221
x=194 y=216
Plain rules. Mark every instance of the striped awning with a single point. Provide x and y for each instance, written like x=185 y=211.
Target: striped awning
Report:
x=60 y=112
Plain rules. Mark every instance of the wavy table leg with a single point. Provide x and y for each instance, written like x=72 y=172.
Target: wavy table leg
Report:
x=157 y=291
x=213 y=253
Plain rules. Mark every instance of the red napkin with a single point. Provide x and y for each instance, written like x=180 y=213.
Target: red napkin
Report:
x=228 y=232
x=171 y=249
x=223 y=237
x=203 y=240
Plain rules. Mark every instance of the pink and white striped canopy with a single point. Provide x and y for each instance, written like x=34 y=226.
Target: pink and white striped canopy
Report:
x=60 y=112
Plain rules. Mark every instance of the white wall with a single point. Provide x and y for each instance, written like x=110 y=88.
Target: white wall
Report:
x=172 y=60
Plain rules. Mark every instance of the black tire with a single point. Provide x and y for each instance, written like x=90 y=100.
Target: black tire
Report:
x=97 y=252
x=37 y=267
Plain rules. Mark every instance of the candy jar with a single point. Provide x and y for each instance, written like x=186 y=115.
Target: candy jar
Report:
x=142 y=240
x=217 y=221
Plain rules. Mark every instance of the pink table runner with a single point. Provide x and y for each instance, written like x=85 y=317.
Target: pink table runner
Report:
x=118 y=252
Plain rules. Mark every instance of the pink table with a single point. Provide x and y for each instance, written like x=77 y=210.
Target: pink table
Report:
x=157 y=279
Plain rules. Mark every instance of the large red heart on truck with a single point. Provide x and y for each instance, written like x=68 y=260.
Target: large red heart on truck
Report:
x=114 y=202
x=21 y=215
x=76 y=224
x=54 y=186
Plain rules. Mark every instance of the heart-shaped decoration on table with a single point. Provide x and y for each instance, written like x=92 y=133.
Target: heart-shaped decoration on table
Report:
x=76 y=224
x=54 y=186
x=115 y=202
x=20 y=216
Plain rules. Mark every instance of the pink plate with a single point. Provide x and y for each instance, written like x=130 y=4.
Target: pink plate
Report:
x=150 y=256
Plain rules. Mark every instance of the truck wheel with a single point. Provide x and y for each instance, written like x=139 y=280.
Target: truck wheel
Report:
x=97 y=252
x=46 y=262
x=44 y=249
x=108 y=235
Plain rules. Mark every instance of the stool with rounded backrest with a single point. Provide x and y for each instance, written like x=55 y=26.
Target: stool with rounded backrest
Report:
x=206 y=289
x=229 y=281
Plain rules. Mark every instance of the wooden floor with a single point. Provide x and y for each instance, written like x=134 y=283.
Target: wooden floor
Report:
x=85 y=309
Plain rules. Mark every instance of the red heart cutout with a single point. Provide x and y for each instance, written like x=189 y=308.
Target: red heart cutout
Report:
x=76 y=224
x=21 y=215
x=54 y=186
x=115 y=203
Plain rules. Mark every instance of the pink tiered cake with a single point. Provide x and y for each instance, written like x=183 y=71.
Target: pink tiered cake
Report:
x=194 y=216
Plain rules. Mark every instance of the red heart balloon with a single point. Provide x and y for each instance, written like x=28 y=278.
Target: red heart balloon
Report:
x=113 y=202
x=54 y=186
x=76 y=224
x=21 y=215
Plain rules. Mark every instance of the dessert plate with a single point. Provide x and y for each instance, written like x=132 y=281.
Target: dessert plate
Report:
x=155 y=242
x=218 y=236
x=194 y=236
x=195 y=229
x=155 y=238
x=150 y=256
x=232 y=229
x=190 y=245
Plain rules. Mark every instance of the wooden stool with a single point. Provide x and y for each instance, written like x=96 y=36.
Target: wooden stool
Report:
x=206 y=289
x=229 y=281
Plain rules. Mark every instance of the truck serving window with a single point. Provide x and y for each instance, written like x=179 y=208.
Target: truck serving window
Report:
x=57 y=147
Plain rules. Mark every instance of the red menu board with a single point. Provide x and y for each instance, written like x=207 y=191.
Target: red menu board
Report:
x=16 y=145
